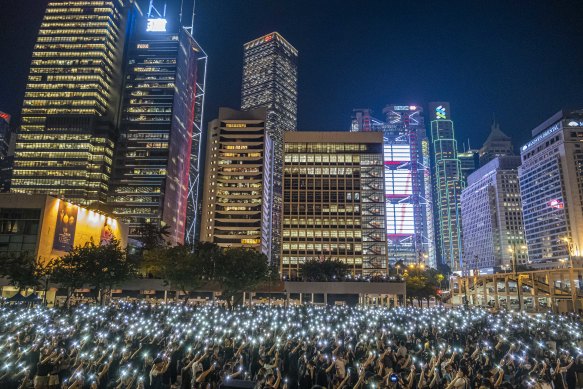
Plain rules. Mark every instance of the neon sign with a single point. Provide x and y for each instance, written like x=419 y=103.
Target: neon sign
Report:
x=267 y=38
x=156 y=25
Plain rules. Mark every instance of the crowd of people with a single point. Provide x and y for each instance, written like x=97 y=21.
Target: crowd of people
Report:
x=127 y=345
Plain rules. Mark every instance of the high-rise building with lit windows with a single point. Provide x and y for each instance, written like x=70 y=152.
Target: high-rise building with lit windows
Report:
x=270 y=81
x=238 y=200
x=448 y=184
x=408 y=193
x=551 y=187
x=66 y=141
x=492 y=224
x=157 y=129
x=333 y=201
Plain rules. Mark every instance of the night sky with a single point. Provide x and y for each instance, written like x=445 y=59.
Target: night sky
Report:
x=522 y=60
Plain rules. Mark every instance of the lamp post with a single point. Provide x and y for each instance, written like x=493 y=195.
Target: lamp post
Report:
x=569 y=247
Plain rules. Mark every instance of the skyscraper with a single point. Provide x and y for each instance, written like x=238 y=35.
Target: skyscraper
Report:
x=237 y=206
x=498 y=144
x=408 y=197
x=448 y=183
x=333 y=201
x=270 y=81
x=408 y=189
x=492 y=224
x=153 y=157
x=65 y=146
x=551 y=186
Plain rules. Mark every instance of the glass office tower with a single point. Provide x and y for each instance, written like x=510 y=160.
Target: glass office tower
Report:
x=270 y=81
x=66 y=141
x=448 y=184
x=153 y=157
x=408 y=193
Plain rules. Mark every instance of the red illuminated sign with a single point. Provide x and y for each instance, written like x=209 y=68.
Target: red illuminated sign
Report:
x=5 y=116
x=267 y=38
x=557 y=204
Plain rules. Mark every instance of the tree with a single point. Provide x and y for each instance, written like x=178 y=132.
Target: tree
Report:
x=101 y=267
x=152 y=235
x=238 y=270
x=422 y=283
x=326 y=270
x=24 y=271
x=180 y=267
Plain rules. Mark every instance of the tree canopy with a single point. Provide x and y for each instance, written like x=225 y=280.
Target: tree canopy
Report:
x=99 y=266
x=325 y=270
x=422 y=284
x=238 y=270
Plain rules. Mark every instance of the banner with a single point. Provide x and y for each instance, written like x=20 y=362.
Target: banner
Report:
x=106 y=235
x=65 y=227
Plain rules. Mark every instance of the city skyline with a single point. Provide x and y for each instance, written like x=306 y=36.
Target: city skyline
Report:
x=467 y=71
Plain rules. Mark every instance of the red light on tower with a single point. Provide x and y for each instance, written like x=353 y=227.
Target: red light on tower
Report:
x=268 y=38
x=5 y=116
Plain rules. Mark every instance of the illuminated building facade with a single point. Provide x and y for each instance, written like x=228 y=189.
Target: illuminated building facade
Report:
x=157 y=131
x=498 y=144
x=333 y=206
x=270 y=80
x=66 y=141
x=448 y=184
x=551 y=186
x=492 y=224
x=237 y=206
x=408 y=188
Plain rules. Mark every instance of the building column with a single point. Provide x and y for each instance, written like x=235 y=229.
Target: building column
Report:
x=534 y=292
x=507 y=290
x=519 y=291
x=496 y=300
x=325 y=298
x=551 y=284
x=312 y=298
x=475 y=286
x=485 y=288
x=301 y=298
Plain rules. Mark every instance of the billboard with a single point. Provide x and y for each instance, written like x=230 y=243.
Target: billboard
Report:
x=65 y=227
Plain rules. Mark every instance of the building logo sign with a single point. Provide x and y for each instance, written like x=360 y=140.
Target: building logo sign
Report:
x=440 y=112
x=156 y=25
x=575 y=123
x=546 y=133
